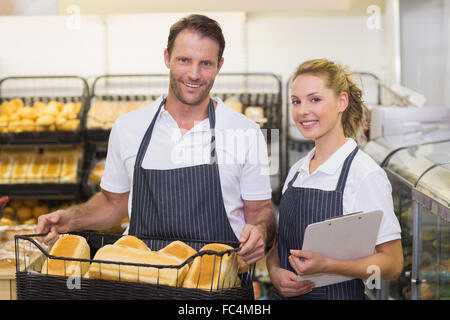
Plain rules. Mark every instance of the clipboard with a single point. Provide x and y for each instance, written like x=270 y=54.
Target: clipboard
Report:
x=348 y=237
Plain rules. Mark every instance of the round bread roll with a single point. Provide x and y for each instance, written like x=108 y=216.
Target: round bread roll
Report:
x=26 y=125
x=14 y=117
x=31 y=202
x=40 y=210
x=67 y=109
x=6 y=222
x=9 y=213
x=16 y=204
x=45 y=120
x=18 y=102
x=24 y=213
x=27 y=113
x=30 y=221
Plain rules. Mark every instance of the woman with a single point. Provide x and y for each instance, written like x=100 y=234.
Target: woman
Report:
x=335 y=178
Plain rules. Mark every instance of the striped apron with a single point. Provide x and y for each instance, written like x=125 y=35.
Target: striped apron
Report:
x=300 y=207
x=183 y=203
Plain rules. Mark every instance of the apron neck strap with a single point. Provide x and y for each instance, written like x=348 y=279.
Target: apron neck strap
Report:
x=148 y=134
x=345 y=170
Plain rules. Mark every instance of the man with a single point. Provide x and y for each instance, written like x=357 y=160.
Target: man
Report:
x=172 y=166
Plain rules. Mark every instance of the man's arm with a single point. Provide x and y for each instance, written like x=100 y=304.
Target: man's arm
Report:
x=259 y=229
x=104 y=210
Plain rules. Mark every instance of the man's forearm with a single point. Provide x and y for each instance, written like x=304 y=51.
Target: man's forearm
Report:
x=100 y=212
x=260 y=214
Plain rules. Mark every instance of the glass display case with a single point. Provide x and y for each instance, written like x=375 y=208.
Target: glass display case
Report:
x=414 y=170
x=431 y=267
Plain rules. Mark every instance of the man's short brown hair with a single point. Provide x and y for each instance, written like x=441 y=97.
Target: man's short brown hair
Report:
x=205 y=26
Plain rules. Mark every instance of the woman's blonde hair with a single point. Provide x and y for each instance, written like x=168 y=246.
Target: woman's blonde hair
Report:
x=339 y=79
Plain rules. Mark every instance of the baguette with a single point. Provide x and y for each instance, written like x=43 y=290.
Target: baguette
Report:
x=152 y=275
x=179 y=249
x=128 y=241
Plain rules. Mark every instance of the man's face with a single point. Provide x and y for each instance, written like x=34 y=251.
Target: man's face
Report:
x=193 y=67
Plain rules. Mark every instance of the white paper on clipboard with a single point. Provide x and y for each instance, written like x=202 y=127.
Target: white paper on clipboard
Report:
x=346 y=237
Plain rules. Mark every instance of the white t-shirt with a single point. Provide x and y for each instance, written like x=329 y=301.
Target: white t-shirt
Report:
x=367 y=187
x=240 y=146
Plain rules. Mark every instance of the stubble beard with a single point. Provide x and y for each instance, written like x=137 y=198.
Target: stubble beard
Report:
x=178 y=92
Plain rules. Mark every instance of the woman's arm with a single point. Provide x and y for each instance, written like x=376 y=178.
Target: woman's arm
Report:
x=388 y=258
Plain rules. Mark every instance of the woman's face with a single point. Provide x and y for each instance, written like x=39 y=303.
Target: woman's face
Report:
x=315 y=108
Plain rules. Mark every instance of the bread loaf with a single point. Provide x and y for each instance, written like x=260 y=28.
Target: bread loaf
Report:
x=36 y=168
x=211 y=271
x=131 y=242
x=162 y=276
x=6 y=164
x=179 y=249
x=68 y=246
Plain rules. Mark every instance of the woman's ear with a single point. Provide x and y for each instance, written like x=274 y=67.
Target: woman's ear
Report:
x=343 y=101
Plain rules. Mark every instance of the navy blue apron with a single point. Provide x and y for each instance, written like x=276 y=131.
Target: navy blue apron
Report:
x=300 y=207
x=182 y=203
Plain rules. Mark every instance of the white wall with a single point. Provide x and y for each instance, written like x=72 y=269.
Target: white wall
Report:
x=51 y=45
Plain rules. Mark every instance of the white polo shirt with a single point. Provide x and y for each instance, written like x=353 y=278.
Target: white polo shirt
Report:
x=367 y=187
x=240 y=146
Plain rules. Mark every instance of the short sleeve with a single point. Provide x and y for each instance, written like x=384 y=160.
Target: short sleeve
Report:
x=255 y=178
x=375 y=193
x=115 y=177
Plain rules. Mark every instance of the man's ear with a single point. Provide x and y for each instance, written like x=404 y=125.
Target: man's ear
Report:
x=166 y=58
x=220 y=64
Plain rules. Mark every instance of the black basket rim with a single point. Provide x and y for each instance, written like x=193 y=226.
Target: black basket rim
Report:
x=28 y=237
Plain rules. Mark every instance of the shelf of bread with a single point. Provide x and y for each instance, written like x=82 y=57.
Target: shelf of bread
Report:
x=40 y=122
x=103 y=113
x=40 y=171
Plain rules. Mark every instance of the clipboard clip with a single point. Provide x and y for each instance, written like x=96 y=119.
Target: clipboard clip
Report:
x=344 y=215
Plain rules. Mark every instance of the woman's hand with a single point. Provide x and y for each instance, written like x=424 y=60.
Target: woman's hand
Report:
x=307 y=262
x=286 y=282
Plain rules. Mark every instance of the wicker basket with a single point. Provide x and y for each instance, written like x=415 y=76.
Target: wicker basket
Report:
x=31 y=284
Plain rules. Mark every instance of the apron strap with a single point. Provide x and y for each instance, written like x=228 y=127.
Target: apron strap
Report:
x=293 y=179
x=345 y=170
x=148 y=134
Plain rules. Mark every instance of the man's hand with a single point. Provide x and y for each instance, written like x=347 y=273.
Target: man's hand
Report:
x=253 y=239
x=53 y=223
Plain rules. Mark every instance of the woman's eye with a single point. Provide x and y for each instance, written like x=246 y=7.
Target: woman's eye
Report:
x=316 y=99
x=295 y=102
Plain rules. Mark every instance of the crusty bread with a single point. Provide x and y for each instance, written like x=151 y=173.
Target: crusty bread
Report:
x=36 y=168
x=132 y=242
x=68 y=246
x=179 y=249
x=153 y=275
x=211 y=272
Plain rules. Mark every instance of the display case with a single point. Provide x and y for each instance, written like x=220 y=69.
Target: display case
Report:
x=417 y=174
x=431 y=264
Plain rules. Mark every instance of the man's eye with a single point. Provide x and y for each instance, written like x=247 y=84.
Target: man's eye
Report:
x=206 y=63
